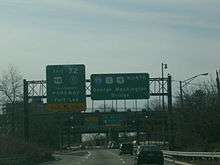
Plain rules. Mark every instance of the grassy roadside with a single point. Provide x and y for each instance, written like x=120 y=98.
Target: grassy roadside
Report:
x=9 y=147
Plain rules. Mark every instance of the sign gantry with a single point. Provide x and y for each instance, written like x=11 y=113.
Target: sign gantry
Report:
x=66 y=90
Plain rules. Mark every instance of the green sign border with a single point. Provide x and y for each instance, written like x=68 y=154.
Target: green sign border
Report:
x=120 y=86
x=72 y=93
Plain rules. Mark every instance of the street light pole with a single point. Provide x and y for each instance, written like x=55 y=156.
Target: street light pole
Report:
x=185 y=83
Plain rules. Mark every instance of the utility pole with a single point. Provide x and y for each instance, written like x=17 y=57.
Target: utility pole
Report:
x=163 y=66
x=170 y=111
x=218 y=83
x=185 y=83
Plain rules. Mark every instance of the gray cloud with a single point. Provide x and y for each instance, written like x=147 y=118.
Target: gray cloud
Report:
x=111 y=38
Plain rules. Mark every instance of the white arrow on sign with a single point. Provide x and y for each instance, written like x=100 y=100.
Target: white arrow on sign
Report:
x=57 y=80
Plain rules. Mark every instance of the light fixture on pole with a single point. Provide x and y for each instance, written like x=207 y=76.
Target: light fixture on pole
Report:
x=186 y=82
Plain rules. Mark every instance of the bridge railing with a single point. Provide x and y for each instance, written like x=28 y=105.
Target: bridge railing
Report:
x=193 y=155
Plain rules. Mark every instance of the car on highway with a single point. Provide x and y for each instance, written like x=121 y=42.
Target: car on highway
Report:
x=126 y=148
x=149 y=154
x=113 y=145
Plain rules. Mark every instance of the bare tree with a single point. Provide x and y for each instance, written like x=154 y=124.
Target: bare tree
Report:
x=10 y=93
x=10 y=86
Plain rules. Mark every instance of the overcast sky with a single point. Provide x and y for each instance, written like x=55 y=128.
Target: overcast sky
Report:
x=111 y=35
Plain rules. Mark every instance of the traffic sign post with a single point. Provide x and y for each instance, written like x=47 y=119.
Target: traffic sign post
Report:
x=120 y=86
x=66 y=89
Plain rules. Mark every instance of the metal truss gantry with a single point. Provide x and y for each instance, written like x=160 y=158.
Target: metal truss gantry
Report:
x=38 y=89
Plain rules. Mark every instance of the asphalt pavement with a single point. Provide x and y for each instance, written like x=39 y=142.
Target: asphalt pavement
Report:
x=94 y=157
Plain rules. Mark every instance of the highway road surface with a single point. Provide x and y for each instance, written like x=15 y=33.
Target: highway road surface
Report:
x=94 y=157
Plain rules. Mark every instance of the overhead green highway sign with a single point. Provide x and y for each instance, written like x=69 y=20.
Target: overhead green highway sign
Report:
x=66 y=87
x=114 y=120
x=120 y=86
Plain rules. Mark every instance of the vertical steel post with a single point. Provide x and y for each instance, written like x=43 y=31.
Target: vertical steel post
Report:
x=170 y=110
x=104 y=106
x=92 y=105
x=112 y=104
x=125 y=106
x=26 y=112
x=136 y=106
x=148 y=104
x=60 y=131
x=163 y=107
x=137 y=123
x=160 y=91
x=69 y=133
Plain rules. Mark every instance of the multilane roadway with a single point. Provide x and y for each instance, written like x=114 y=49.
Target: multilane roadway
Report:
x=94 y=157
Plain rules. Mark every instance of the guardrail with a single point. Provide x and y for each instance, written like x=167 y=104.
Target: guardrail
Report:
x=193 y=155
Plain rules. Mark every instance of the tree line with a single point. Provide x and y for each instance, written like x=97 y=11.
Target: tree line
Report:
x=197 y=121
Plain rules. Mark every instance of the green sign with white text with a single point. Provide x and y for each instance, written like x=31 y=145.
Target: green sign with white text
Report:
x=120 y=86
x=66 y=87
x=114 y=120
